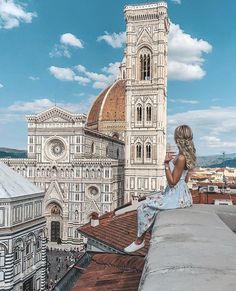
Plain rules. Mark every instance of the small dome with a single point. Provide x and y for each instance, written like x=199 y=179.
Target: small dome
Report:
x=107 y=113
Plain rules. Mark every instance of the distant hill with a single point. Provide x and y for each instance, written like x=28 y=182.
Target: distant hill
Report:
x=214 y=161
x=12 y=153
x=217 y=161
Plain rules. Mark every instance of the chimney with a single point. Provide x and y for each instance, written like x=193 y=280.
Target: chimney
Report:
x=94 y=221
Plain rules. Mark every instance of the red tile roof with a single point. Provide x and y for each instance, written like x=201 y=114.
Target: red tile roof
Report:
x=109 y=105
x=93 y=115
x=111 y=272
x=117 y=231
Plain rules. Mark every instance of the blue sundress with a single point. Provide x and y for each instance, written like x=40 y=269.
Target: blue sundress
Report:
x=178 y=196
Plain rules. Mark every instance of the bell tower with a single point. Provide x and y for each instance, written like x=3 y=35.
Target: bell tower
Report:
x=147 y=28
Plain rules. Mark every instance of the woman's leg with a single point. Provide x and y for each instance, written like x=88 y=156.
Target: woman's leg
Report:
x=146 y=214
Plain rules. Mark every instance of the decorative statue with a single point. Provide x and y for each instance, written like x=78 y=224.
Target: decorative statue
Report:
x=55 y=210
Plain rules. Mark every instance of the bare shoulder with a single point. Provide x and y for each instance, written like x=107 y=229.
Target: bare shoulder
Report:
x=181 y=160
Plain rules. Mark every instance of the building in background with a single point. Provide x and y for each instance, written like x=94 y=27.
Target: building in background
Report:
x=22 y=233
x=80 y=170
x=81 y=162
x=146 y=93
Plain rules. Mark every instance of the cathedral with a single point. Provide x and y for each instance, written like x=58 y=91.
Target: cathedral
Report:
x=99 y=161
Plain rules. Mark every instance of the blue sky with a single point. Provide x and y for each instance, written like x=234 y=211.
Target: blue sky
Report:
x=67 y=51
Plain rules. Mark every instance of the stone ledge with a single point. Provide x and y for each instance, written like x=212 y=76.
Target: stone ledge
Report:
x=192 y=249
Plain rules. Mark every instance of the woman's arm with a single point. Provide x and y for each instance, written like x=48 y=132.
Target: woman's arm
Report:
x=173 y=178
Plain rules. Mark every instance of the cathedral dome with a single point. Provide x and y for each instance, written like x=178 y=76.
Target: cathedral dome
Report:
x=107 y=113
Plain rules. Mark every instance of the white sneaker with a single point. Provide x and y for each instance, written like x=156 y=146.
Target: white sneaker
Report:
x=134 y=247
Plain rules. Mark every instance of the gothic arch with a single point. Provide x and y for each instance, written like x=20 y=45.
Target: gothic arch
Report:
x=50 y=204
x=138 y=151
x=144 y=64
x=144 y=45
x=139 y=112
x=31 y=234
x=148 y=112
x=148 y=151
x=17 y=242
x=4 y=246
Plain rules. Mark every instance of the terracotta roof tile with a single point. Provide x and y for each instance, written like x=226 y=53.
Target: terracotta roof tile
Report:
x=111 y=272
x=116 y=231
x=114 y=105
x=96 y=107
x=109 y=105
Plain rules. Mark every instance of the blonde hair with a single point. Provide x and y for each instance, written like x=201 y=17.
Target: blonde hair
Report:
x=184 y=141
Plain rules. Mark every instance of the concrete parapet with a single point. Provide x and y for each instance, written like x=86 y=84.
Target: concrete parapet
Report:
x=192 y=249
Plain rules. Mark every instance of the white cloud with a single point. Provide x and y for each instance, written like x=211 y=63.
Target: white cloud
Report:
x=116 y=40
x=18 y=110
x=67 y=74
x=32 y=78
x=99 y=80
x=112 y=69
x=214 y=128
x=185 y=55
x=218 y=143
x=81 y=68
x=71 y=40
x=184 y=101
x=82 y=80
x=176 y=1
x=62 y=74
x=60 y=51
x=67 y=40
x=184 y=72
x=36 y=106
x=12 y=14
x=39 y=105
x=1 y=86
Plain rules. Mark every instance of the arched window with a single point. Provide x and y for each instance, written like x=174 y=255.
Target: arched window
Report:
x=29 y=247
x=92 y=148
x=139 y=113
x=76 y=234
x=107 y=151
x=2 y=276
x=16 y=253
x=17 y=250
x=2 y=255
x=138 y=151
x=87 y=173
x=148 y=113
x=148 y=151
x=39 y=243
x=118 y=153
x=145 y=64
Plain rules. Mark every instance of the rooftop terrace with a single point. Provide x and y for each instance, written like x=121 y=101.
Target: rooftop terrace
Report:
x=192 y=249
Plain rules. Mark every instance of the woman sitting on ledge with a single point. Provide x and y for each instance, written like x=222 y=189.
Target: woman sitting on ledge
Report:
x=176 y=194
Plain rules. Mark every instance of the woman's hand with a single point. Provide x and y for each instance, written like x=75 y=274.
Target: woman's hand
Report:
x=174 y=177
x=168 y=158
